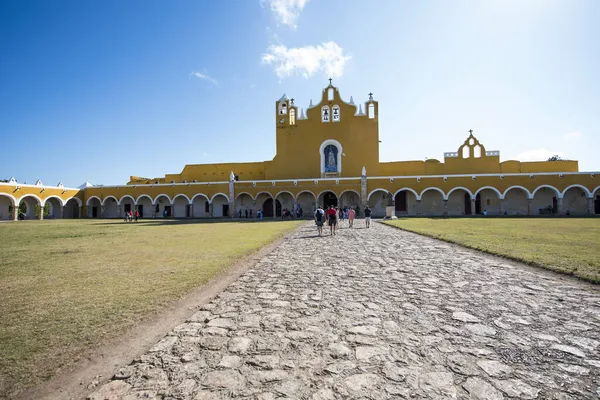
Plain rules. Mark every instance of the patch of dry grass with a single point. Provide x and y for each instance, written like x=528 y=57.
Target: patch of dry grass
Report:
x=566 y=245
x=67 y=285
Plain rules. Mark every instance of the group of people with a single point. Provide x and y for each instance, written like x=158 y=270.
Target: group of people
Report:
x=132 y=216
x=335 y=216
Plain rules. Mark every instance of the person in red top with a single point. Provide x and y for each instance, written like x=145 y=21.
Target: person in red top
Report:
x=332 y=217
x=137 y=215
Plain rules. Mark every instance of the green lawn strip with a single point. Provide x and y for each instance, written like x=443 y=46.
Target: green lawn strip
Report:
x=565 y=245
x=66 y=286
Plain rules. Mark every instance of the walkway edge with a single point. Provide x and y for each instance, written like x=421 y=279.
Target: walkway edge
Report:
x=83 y=377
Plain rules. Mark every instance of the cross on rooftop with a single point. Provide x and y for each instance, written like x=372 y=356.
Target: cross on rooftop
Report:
x=370 y=96
x=471 y=131
x=330 y=81
x=292 y=100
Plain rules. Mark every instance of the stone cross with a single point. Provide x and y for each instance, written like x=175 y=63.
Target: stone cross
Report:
x=330 y=81
x=292 y=100
x=471 y=131
x=370 y=96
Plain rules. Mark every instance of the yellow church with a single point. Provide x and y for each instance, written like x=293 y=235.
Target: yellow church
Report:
x=327 y=154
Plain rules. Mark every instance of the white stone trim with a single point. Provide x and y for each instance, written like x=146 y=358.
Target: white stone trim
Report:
x=62 y=203
x=285 y=191
x=199 y=194
x=460 y=188
x=137 y=201
x=586 y=190
x=182 y=195
x=339 y=155
x=77 y=199
x=10 y=196
x=350 y=190
x=444 y=197
x=529 y=195
x=263 y=192
x=246 y=193
x=480 y=175
x=325 y=191
x=162 y=194
x=110 y=197
x=558 y=193
x=594 y=191
x=410 y=190
x=87 y=203
x=123 y=198
x=219 y=194
x=500 y=195
x=377 y=190
x=306 y=191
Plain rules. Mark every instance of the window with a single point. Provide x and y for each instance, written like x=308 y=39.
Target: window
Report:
x=330 y=94
x=371 y=111
x=331 y=158
x=477 y=151
x=282 y=109
x=325 y=114
x=466 y=152
x=292 y=116
x=487 y=202
x=335 y=113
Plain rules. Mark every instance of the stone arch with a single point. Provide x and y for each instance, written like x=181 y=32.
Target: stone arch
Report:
x=376 y=190
x=432 y=201
x=349 y=198
x=181 y=206
x=515 y=200
x=110 y=207
x=55 y=207
x=162 y=195
x=545 y=200
x=109 y=197
x=287 y=200
x=326 y=198
x=500 y=195
x=184 y=196
x=459 y=188
x=31 y=201
x=307 y=201
x=529 y=195
x=404 y=203
x=244 y=201
x=488 y=199
x=595 y=191
x=378 y=200
x=126 y=197
x=7 y=204
x=60 y=201
x=163 y=209
x=87 y=203
x=200 y=205
x=575 y=200
x=322 y=156
x=220 y=205
x=72 y=208
x=145 y=206
x=459 y=201
x=126 y=205
x=246 y=193
x=94 y=207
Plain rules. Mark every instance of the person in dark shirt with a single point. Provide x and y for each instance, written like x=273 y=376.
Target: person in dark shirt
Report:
x=367 y=217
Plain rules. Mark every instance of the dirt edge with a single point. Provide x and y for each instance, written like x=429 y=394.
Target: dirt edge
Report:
x=122 y=350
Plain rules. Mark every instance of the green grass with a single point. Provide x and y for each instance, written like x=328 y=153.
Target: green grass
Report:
x=65 y=286
x=566 y=245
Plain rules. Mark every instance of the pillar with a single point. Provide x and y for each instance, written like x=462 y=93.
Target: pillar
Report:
x=101 y=210
x=419 y=205
x=121 y=211
x=502 y=206
x=41 y=213
x=210 y=209
x=559 y=206
x=590 y=208
x=529 y=206
x=60 y=212
x=192 y=210
x=363 y=189
x=153 y=210
x=295 y=208
x=274 y=208
x=473 y=211
x=445 y=207
x=15 y=212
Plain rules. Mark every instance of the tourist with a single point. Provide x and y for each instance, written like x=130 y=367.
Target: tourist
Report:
x=319 y=220
x=367 y=217
x=136 y=215
x=340 y=216
x=346 y=214
x=331 y=219
x=130 y=216
x=484 y=212
x=250 y=213
x=351 y=215
x=246 y=213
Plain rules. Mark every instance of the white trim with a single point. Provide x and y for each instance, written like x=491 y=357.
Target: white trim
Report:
x=306 y=191
x=480 y=175
x=349 y=190
x=246 y=193
x=37 y=186
x=54 y=197
x=182 y=195
x=586 y=190
x=259 y=193
x=558 y=194
x=137 y=201
x=110 y=197
x=444 y=197
x=217 y=194
x=339 y=155
x=10 y=196
x=325 y=191
x=500 y=195
x=529 y=195
x=87 y=203
x=200 y=194
x=77 y=199
x=376 y=190
x=285 y=191
x=594 y=191
x=123 y=198
x=460 y=188
x=410 y=190
x=162 y=194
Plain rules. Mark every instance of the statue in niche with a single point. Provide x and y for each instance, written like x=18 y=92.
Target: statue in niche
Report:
x=331 y=158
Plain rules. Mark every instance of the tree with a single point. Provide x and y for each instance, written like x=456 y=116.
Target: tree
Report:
x=556 y=157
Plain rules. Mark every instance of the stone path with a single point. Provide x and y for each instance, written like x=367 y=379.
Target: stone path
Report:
x=378 y=314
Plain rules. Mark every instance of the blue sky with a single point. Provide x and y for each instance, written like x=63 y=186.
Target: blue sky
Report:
x=100 y=91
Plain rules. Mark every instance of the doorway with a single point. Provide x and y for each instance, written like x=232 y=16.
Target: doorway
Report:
x=225 y=210
x=400 y=201
x=329 y=199
x=94 y=212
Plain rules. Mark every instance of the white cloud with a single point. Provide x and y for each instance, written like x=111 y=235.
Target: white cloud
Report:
x=204 y=76
x=286 y=11
x=327 y=57
x=574 y=135
x=538 y=155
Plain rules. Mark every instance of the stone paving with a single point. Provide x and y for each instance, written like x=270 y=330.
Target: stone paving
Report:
x=376 y=314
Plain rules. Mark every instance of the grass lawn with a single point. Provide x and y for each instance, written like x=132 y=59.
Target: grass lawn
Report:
x=67 y=285
x=567 y=245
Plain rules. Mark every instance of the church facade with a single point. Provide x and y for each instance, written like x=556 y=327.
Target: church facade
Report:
x=329 y=154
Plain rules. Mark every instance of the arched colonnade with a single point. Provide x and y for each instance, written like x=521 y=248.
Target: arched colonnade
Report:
x=30 y=206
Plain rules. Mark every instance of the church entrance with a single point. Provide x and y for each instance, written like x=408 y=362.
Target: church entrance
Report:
x=329 y=199
x=268 y=208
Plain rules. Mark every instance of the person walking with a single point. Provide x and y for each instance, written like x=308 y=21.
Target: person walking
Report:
x=367 y=217
x=137 y=215
x=319 y=220
x=351 y=216
x=332 y=219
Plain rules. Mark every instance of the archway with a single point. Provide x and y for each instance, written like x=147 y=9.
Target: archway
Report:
x=111 y=207
x=516 y=201
x=405 y=202
x=260 y=202
x=488 y=200
x=244 y=203
x=575 y=201
x=268 y=208
x=201 y=206
x=349 y=198
x=181 y=207
x=127 y=204
x=545 y=200
x=94 y=207
x=432 y=202
x=286 y=200
x=163 y=207
x=144 y=206
x=307 y=203
x=459 y=202
x=54 y=206
x=378 y=200
x=327 y=199
x=220 y=205
x=71 y=209
x=6 y=207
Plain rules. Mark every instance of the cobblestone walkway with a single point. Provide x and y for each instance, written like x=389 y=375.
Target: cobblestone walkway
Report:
x=379 y=313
